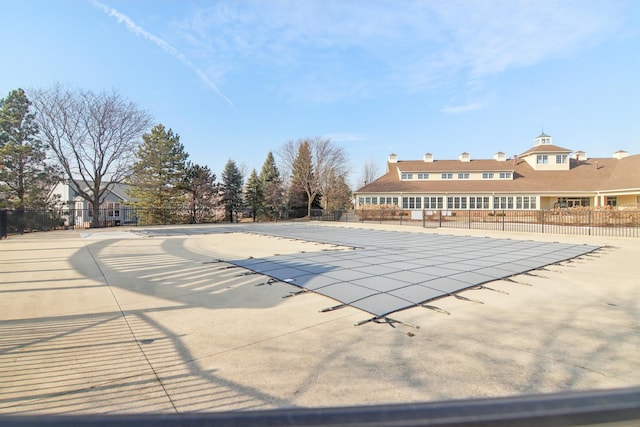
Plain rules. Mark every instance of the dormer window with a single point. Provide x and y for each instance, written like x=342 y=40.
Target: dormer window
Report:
x=505 y=175
x=487 y=175
x=561 y=158
x=447 y=176
x=542 y=159
x=423 y=176
x=464 y=175
x=406 y=175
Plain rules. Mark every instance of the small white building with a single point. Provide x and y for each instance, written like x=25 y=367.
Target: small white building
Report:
x=78 y=212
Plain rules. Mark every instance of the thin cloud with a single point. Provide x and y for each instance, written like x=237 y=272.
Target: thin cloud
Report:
x=136 y=29
x=344 y=137
x=463 y=108
x=316 y=51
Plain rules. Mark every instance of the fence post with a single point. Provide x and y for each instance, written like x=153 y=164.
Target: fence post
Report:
x=4 y=223
x=542 y=220
x=503 y=215
x=589 y=212
x=423 y=219
x=469 y=216
x=440 y=219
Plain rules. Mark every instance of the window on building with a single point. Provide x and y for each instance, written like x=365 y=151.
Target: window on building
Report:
x=110 y=209
x=412 y=202
x=433 y=202
x=487 y=175
x=561 y=158
x=612 y=201
x=464 y=175
x=503 y=202
x=116 y=209
x=423 y=176
x=374 y=200
x=447 y=176
x=572 y=202
x=367 y=200
x=406 y=175
x=360 y=200
x=505 y=175
x=542 y=159
x=394 y=201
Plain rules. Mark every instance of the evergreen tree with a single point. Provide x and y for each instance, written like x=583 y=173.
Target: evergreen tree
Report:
x=158 y=174
x=25 y=176
x=272 y=187
x=254 y=195
x=339 y=194
x=303 y=175
x=202 y=193
x=231 y=189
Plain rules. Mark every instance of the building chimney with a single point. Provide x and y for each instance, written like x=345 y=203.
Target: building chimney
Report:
x=428 y=157
x=393 y=158
x=500 y=156
x=465 y=157
x=620 y=154
x=581 y=156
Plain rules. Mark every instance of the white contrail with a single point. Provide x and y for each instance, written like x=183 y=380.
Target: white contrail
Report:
x=136 y=29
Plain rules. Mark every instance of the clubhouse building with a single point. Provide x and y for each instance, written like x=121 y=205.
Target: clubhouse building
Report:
x=544 y=177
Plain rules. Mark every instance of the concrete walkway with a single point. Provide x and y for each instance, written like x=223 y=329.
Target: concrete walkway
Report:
x=111 y=321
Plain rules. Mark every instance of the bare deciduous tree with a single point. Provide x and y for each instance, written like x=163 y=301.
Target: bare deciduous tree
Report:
x=93 y=136
x=370 y=172
x=328 y=161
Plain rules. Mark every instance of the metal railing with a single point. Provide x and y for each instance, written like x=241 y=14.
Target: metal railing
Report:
x=586 y=222
x=580 y=221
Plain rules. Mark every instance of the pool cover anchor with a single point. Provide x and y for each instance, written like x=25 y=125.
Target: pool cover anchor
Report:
x=293 y=294
x=481 y=287
x=386 y=320
x=466 y=298
x=434 y=308
x=335 y=307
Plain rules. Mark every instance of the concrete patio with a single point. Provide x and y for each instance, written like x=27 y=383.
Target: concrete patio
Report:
x=115 y=321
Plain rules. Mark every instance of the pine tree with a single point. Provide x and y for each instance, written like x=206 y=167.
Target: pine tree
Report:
x=272 y=187
x=303 y=175
x=202 y=193
x=25 y=174
x=254 y=195
x=231 y=189
x=158 y=174
x=339 y=194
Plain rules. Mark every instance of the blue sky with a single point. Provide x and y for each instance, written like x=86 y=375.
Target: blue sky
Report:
x=236 y=79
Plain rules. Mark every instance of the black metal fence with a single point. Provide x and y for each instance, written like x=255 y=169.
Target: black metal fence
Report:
x=574 y=221
x=26 y=221
x=581 y=221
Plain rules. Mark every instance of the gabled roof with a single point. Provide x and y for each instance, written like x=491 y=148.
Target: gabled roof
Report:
x=545 y=148
x=583 y=176
x=452 y=166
